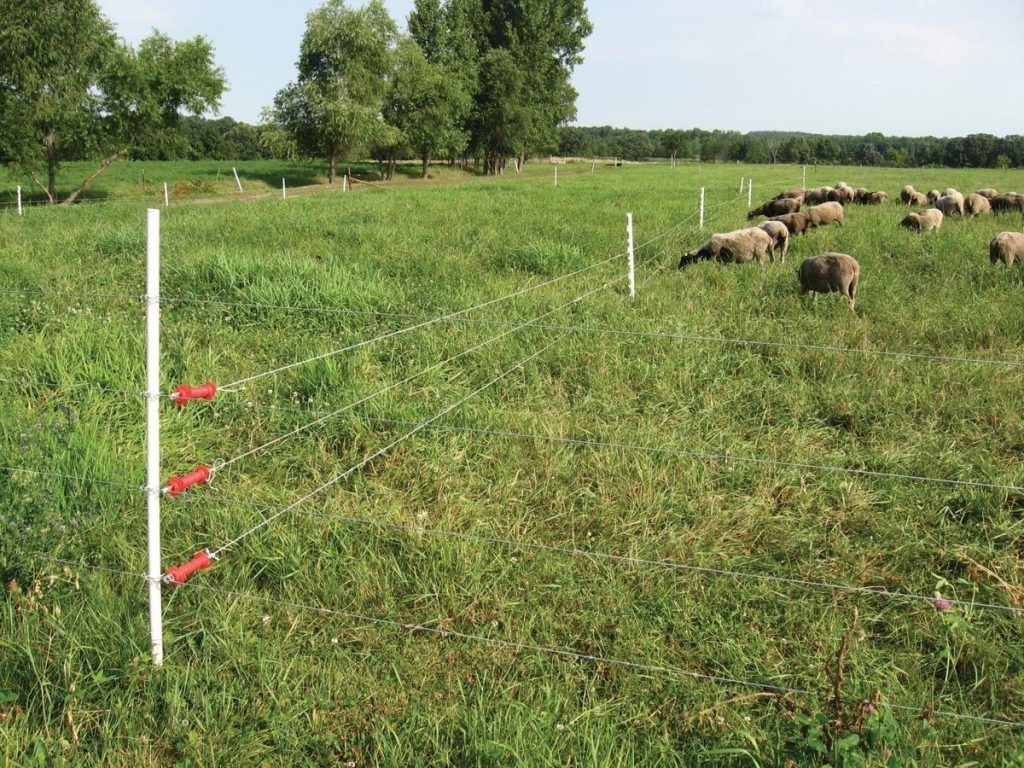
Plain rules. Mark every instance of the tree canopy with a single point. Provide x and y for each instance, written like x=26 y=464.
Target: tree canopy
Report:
x=69 y=87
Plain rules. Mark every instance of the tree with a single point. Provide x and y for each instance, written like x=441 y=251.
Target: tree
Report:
x=70 y=88
x=345 y=60
x=426 y=103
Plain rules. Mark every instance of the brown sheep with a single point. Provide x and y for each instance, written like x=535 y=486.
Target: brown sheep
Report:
x=738 y=247
x=816 y=196
x=792 y=194
x=1008 y=201
x=988 y=193
x=919 y=199
x=841 y=195
x=950 y=206
x=925 y=221
x=932 y=196
x=907 y=194
x=860 y=195
x=779 y=233
x=1007 y=247
x=876 y=198
x=830 y=273
x=775 y=208
x=825 y=213
x=975 y=204
x=797 y=223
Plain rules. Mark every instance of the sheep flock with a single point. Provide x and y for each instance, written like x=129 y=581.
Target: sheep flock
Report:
x=796 y=211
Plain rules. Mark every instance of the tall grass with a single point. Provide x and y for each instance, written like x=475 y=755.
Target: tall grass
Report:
x=318 y=663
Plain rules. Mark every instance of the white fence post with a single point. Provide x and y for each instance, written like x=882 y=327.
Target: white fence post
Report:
x=805 y=177
x=344 y=183
x=556 y=176
x=702 y=207
x=750 y=193
x=153 y=486
x=167 y=197
x=741 y=185
x=237 y=181
x=593 y=165
x=19 y=200
x=284 y=191
x=632 y=265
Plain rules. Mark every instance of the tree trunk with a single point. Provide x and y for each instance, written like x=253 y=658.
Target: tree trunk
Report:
x=391 y=168
x=51 y=166
x=426 y=165
x=93 y=176
x=43 y=187
x=332 y=169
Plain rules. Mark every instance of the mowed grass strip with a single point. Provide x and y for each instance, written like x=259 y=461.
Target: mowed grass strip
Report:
x=261 y=679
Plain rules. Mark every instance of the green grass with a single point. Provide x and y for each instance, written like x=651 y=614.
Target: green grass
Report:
x=262 y=680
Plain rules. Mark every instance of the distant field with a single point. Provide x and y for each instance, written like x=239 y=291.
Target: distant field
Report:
x=574 y=567
x=143 y=181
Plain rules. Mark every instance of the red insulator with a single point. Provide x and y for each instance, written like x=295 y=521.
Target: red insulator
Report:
x=179 y=574
x=179 y=483
x=184 y=393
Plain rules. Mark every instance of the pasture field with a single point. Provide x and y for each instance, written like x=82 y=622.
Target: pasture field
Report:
x=483 y=594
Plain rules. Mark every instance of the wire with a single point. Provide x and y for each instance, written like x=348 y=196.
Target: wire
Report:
x=76 y=478
x=220 y=466
x=417 y=326
x=23 y=382
x=625 y=559
x=381 y=451
x=563 y=653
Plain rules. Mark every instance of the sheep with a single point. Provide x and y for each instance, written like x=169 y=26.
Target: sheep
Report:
x=825 y=213
x=816 y=196
x=876 y=198
x=932 y=196
x=860 y=195
x=907 y=194
x=976 y=204
x=841 y=195
x=1007 y=247
x=950 y=206
x=775 y=208
x=987 y=193
x=796 y=223
x=1008 y=201
x=779 y=233
x=951 y=192
x=925 y=221
x=792 y=194
x=739 y=247
x=919 y=198
x=830 y=273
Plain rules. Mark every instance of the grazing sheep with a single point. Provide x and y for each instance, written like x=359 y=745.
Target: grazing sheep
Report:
x=775 y=208
x=1008 y=201
x=1007 y=247
x=738 y=247
x=919 y=199
x=925 y=221
x=932 y=196
x=792 y=194
x=876 y=198
x=951 y=192
x=841 y=195
x=830 y=273
x=825 y=213
x=860 y=195
x=975 y=204
x=988 y=193
x=907 y=194
x=779 y=233
x=950 y=206
x=816 y=196
x=796 y=223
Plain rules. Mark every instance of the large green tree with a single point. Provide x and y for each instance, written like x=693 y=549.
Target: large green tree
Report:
x=427 y=104
x=69 y=86
x=345 y=61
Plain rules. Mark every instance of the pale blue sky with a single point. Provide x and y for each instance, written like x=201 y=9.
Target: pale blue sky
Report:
x=905 y=67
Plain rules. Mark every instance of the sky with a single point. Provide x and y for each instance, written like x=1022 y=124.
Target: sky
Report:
x=901 y=67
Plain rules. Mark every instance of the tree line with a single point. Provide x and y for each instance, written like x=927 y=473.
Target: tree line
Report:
x=978 y=150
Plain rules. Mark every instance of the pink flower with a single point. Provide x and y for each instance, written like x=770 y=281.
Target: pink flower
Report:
x=942 y=604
